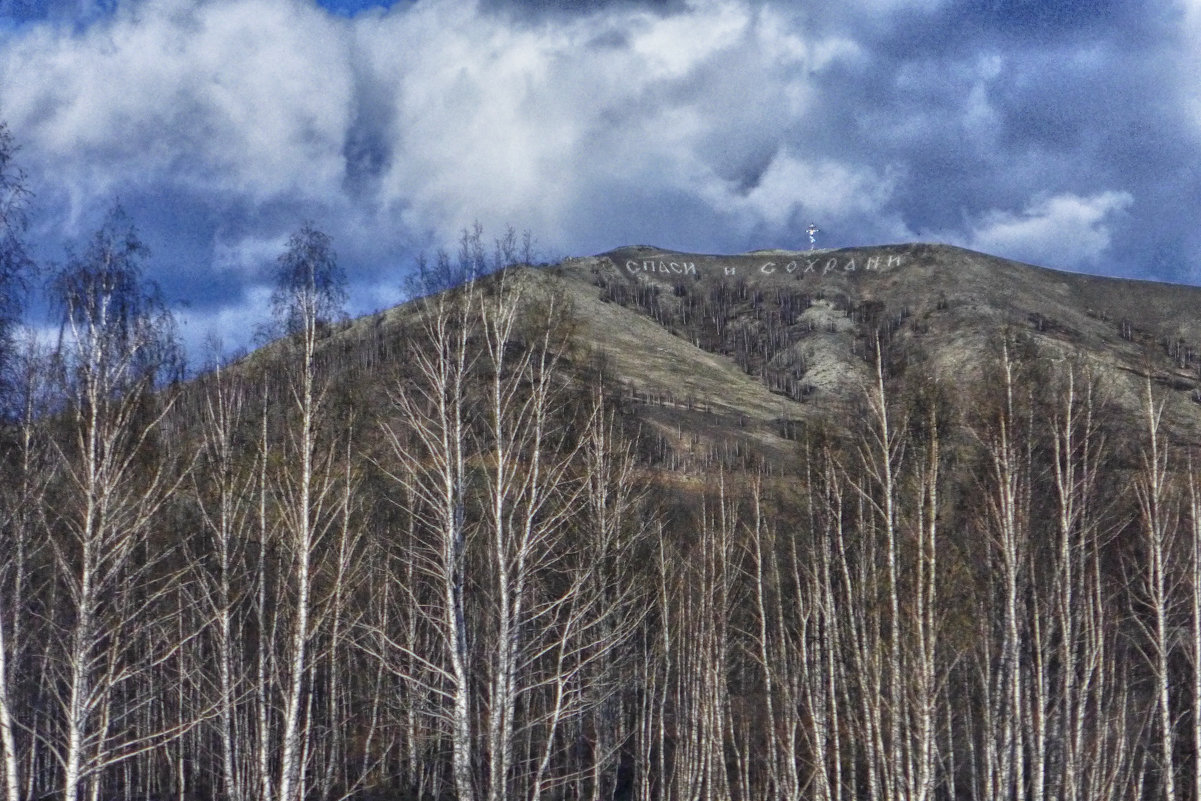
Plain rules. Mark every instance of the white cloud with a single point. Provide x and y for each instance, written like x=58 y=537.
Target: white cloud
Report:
x=242 y=96
x=1061 y=230
x=463 y=114
x=884 y=6
x=659 y=44
x=822 y=187
x=520 y=124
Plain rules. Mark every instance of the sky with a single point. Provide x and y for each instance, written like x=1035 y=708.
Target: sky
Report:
x=1057 y=132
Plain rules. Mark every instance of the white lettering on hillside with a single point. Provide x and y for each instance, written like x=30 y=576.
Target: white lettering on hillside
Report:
x=676 y=267
x=830 y=265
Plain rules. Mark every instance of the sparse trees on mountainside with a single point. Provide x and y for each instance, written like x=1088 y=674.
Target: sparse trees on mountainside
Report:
x=472 y=259
x=758 y=328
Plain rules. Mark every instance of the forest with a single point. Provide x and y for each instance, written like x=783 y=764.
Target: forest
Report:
x=439 y=560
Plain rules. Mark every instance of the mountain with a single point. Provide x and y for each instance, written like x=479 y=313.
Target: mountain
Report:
x=897 y=522
x=763 y=342
x=722 y=353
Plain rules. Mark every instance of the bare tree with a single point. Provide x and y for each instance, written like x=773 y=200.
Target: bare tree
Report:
x=309 y=295
x=578 y=650
x=1159 y=517
x=891 y=617
x=1008 y=445
x=27 y=472
x=429 y=444
x=1078 y=614
x=114 y=346
x=703 y=586
x=19 y=397
x=224 y=484
x=1194 y=645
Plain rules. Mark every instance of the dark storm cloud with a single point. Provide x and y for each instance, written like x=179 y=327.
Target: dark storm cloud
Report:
x=993 y=108
x=1059 y=133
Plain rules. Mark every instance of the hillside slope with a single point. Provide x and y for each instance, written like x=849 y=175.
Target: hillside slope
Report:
x=756 y=340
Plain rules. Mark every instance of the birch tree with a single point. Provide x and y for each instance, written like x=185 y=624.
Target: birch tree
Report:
x=1194 y=644
x=428 y=441
x=224 y=487
x=1007 y=441
x=114 y=346
x=580 y=658
x=1078 y=613
x=16 y=397
x=310 y=292
x=895 y=480
x=1159 y=518
x=26 y=467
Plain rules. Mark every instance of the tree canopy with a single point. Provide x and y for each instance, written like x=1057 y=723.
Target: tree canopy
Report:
x=310 y=287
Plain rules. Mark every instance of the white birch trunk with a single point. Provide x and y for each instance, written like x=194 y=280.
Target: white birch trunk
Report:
x=1158 y=528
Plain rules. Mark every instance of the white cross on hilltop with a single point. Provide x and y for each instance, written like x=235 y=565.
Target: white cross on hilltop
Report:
x=812 y=230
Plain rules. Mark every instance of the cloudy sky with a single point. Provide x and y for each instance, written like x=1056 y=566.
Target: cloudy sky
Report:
x=1060 y=132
